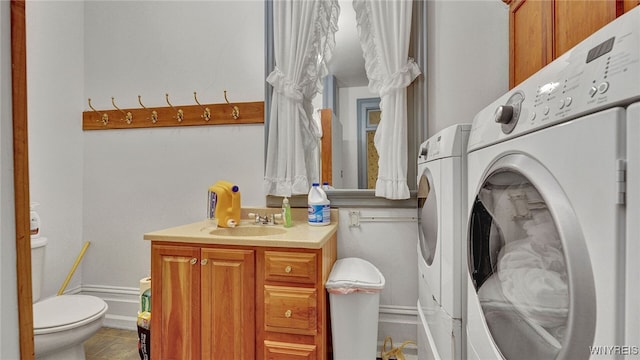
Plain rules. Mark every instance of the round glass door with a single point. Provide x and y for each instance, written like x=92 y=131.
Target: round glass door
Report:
x=428 y=217
x=518 y=262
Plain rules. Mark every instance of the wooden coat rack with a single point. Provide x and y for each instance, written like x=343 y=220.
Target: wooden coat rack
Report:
x=173 y=115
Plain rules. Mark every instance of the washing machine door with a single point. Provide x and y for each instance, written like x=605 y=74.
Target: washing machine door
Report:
x=428 y=213
x=529 y=264
x=429 y=232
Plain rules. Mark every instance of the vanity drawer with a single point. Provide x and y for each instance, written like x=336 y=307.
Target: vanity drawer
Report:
x=290 y=310
x=290 y=267
x=275 y=350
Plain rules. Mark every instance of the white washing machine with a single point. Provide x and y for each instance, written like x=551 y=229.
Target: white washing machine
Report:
x=552 y=251
x=441 y=197
x=632 y=247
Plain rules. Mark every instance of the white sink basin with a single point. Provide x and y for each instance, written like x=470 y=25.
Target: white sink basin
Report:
x=248 y=231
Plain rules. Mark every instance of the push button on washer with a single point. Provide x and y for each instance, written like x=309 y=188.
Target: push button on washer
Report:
x=603 y=87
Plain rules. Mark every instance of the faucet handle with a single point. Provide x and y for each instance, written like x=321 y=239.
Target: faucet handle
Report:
x=254 y=216
x=277 y=216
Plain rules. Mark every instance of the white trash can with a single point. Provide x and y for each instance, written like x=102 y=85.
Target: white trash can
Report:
x=354 y=287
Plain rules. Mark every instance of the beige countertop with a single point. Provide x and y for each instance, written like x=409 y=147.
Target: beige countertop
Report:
x=300 y=235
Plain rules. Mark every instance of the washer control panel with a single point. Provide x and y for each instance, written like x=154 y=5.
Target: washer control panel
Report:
x=602 y=71
x=448 y=142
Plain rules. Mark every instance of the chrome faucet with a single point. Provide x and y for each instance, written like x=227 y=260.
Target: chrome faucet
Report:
x=267 y=219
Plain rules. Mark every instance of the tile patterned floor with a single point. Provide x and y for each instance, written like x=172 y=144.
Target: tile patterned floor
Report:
x=117 y=344
x=112 y=344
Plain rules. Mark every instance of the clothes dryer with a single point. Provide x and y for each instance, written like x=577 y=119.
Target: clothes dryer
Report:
x=552 y=253
x=631 y=345
x=441 y=197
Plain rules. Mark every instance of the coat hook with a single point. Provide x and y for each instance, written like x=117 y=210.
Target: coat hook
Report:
x=127 y=115
x=207 y=113
x=104 y=117
x=236 y=112
x=154 y=114
x=179 y=114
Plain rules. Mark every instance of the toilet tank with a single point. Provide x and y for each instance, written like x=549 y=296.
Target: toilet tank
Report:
x=37 y=266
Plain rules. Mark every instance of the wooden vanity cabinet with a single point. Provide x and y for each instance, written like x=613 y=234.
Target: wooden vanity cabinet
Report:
x=292 y=305
x=542 y=30
x=240 y=302
x=202 y=302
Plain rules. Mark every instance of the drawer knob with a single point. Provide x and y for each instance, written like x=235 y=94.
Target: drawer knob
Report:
x=193 y=261
x=288 y=269
x=287 y=314
x=204 y=261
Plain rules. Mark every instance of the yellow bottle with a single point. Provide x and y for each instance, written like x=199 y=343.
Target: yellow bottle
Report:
x=224 y=203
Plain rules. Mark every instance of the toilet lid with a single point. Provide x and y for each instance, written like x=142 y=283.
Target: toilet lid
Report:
x=58 y=311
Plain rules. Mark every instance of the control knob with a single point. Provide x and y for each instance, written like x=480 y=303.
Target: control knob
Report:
x=503 y=114
x=507 y=115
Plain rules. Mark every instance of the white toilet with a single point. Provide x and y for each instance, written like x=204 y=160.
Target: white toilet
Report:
x=61 y=323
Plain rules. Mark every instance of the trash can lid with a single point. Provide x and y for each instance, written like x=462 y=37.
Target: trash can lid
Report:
x=355 y=273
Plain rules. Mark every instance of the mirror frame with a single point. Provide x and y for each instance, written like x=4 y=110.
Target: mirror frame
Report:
x=416 y=119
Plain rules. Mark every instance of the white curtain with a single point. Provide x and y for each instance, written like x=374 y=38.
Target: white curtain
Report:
x=304 y=38
x=384 y=27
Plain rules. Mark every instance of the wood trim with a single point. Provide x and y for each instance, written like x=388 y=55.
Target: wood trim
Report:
x=512 y=68
x=21 y=176
x=221 y=114
x=326 y=146
x=548 y=31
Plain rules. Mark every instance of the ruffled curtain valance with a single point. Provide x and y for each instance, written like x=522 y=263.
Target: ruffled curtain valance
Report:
x=304 y=38
x=384 y=28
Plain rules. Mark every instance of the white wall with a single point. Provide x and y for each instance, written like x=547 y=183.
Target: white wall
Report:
x=9 y=342
x=55 y=93
x=467 y=59
x=136 y=181
x=391 y=247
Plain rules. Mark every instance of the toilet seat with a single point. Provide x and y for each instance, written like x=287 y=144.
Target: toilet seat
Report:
x=65 y=312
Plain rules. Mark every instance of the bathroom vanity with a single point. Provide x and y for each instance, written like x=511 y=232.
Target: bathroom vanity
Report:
x=251 y=292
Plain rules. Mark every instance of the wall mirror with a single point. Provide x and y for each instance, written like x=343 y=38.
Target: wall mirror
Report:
x=368 y=110
x=344 y=88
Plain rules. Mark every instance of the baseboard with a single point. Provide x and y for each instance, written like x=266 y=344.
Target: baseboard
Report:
x=123 y=304
x=399 y=322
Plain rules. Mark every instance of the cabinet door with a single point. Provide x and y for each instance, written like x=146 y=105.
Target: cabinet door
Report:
x=630 y=4
x=175 y=297
x=228 y=298
x=530 y=38
x=575 y=20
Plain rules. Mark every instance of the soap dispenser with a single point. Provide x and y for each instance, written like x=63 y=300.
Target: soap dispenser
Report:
x=286 y=213
x=34 y=228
